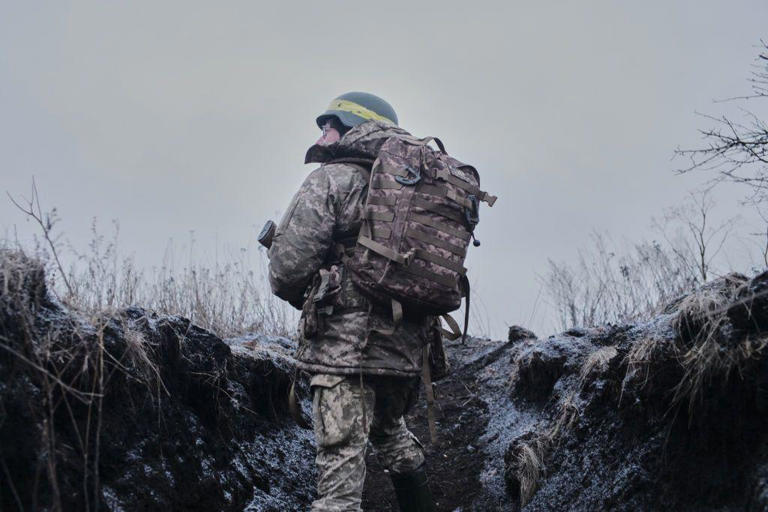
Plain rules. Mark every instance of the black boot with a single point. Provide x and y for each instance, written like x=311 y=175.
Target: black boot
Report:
x=412 y=490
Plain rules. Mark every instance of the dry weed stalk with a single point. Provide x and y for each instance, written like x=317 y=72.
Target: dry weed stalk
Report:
x=639 y=359
x=532 y=455
x=613 y=284
x=229 y=297
x=569 y=411
x=703 y=349
x=597 y=360
x=699 y=349
x=530 y=463
x=68 y=364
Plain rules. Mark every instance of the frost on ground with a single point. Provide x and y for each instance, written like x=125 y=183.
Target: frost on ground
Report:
x=134 y=411
x=131 y=411
x=667 y=414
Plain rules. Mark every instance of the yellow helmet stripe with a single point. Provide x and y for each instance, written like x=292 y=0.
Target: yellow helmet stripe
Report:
x=358 y=110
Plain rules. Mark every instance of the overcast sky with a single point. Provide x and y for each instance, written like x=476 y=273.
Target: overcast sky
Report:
x=183 y=116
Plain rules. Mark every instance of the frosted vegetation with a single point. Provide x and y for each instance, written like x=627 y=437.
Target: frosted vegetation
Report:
x=229 y=297
x=611 y=282
x=614 y=283
x=618 y=282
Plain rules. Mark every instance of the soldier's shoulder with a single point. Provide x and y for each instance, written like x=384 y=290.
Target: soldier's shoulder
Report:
x=343 y=175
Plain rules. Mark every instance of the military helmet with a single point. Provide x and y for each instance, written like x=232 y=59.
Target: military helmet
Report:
x=354 y=108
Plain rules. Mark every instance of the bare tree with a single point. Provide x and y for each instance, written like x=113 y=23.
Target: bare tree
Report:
x=763 y=235
x=692 y=235
x=738 y=152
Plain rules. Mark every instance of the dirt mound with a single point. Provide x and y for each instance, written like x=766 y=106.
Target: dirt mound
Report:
x=132 y=411
x=669 y=414
x=665 y=415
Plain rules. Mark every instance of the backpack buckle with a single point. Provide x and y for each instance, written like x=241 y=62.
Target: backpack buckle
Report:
x=472 y=213
x=416 y=173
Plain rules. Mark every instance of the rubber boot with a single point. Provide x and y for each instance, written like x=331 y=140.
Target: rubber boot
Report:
x=412 y=491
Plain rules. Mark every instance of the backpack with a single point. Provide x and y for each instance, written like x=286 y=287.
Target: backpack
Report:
x=419 y=216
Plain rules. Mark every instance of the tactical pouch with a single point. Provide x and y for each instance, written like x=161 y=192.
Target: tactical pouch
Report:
x=320 y=300
x=328 y=288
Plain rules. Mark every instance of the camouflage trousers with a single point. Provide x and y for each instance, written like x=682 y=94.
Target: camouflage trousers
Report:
x=346 y=417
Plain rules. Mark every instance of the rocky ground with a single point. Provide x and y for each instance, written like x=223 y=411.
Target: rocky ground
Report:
x=132 y=411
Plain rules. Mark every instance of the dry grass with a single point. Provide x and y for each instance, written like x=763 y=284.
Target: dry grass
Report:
x=703 y=352
x=530 y=464
x=567 y=415
x=701 y=348
x=229 y=296
x=615 y=284
x=531 y=456
x=596 y=361
x=639 y=360
x=69 y=364
x=72 y=368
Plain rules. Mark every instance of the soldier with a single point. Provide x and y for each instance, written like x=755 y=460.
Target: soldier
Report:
x=365 y=369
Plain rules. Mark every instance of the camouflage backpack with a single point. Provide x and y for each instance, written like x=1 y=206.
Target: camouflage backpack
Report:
x=419 y=216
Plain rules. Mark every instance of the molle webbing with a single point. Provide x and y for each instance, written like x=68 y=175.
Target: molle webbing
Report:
x=381 y=232
x=384 y=183
x=419 y=214
x=467 y=187
x=434 y=190
x=438 y=209
x=437 y=242
x=383 y=200
x=384 y=216
x=403 y=259
x=426 y=274
x=441 y=226
x=443 y=262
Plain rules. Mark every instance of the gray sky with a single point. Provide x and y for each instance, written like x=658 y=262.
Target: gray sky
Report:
x=182 y=116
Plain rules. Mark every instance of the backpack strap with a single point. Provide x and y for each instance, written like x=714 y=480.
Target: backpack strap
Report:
x=382 y=250
x=426 y=375
x=465 y=288
x=454 y=333
x=293 y=404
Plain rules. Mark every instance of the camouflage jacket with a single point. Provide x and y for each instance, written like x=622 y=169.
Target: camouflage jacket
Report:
x=340 y=331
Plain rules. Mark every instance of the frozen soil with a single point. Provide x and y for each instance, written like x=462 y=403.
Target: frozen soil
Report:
x=666 y=414
x=133 y=411
x=136 y=411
